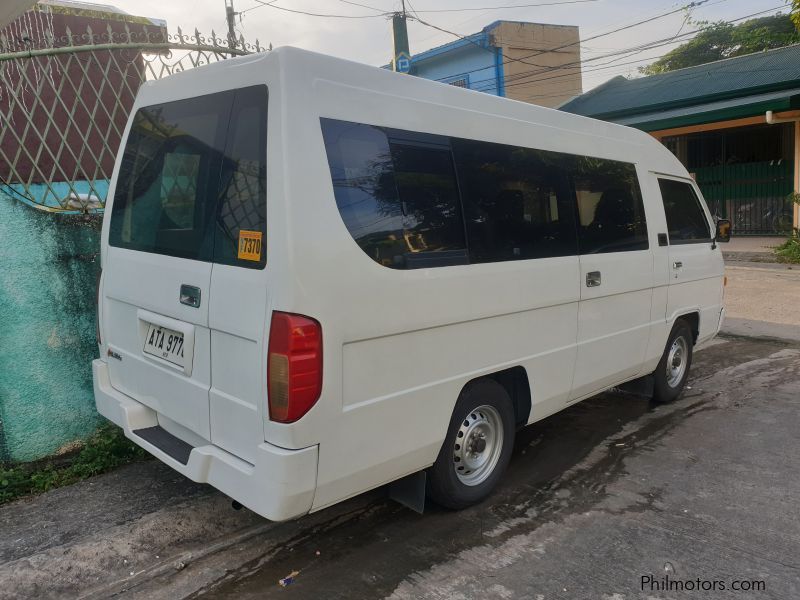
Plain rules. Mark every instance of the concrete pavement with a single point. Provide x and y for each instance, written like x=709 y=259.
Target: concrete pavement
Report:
x=607 y=492
x=763 y=300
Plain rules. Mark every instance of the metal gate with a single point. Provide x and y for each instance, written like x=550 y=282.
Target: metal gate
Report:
x=756 y=197
x=64 y=103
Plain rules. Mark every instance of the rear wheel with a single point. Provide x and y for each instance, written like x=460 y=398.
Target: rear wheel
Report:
x=673 y=369
x=477 y=448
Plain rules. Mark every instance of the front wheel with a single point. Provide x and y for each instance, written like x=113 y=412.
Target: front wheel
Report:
x=477 y=448
x=673 y=369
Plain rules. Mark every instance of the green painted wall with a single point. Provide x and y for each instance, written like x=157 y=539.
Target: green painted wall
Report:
x=48 y=271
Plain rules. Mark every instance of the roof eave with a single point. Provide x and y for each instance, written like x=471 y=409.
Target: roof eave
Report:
x=724 y=114
x=698 y=101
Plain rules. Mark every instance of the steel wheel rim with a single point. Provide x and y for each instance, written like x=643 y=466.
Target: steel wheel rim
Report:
x=478 y=445
x=676 y=361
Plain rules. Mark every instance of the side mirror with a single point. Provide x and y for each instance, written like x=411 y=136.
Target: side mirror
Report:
x=723 y=231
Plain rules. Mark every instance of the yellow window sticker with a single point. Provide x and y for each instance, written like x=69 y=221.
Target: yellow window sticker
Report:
x=249 y=245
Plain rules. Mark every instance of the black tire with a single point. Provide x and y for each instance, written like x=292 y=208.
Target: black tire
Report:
x=666 y=387
x=444 y=484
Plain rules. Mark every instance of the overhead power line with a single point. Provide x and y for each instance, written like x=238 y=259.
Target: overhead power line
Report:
x=576 y=64
x=379 y=10
x=384 y=13
x=624 y=53
x=523 y=60
x=508 y=6
x=272 y=4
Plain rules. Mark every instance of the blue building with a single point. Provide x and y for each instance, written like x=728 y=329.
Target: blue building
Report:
x=499 y=60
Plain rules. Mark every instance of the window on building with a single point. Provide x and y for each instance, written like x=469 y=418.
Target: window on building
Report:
x=462 y=82
x=611 y=214
x=686 y=220
x=517 y=202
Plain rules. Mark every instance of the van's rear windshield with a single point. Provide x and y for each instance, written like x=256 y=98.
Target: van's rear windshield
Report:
x=192 y=182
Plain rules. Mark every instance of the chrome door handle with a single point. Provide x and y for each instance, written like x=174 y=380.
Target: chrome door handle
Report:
x=190 y=295
x=593 y=279
x=677 y=264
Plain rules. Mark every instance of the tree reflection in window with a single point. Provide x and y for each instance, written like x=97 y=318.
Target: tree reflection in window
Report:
x=399 y=201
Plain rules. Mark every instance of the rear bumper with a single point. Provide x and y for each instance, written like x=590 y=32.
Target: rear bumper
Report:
x=279 y=486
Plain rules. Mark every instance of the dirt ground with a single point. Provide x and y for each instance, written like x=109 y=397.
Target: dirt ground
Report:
x=597 y=497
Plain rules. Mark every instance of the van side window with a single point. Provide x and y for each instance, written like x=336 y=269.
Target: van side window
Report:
x=686 y=220
x=398 y=199
x=433 y=228
x=517 y=202
x=243 y=184
x=363 y=182
x=610 y=208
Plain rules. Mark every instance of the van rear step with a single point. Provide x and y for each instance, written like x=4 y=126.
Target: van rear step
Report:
x=166 y=442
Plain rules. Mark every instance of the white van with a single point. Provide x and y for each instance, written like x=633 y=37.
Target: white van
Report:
x=320 y=277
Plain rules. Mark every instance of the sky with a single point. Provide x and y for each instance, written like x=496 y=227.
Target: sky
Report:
x=369 y=40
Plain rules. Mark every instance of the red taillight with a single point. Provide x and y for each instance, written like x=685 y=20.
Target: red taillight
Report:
x=294 y=366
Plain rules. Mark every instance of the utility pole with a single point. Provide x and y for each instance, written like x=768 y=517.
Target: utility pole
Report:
x=230 y=16
x=401 y=62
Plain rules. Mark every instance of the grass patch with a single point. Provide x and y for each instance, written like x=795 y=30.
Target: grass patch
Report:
x=106 y=449
x=789 y=251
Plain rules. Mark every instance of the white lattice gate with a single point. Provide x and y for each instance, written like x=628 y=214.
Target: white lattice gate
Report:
x=63 y=107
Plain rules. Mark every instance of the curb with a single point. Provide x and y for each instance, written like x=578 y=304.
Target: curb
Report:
x=763 y=330
x=764 y=257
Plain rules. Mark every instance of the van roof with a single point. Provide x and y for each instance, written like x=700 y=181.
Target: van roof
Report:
x=296 y=64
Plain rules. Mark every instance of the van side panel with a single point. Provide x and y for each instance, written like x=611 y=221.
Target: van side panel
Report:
x=398 y=391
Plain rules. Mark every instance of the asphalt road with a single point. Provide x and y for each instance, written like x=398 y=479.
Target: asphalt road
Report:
x=608 y=492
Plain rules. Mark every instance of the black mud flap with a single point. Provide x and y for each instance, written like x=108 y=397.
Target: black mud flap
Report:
x=410 y=491
x=644 y=386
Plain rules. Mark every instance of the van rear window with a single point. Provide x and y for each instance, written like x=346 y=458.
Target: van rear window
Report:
x=192 y=180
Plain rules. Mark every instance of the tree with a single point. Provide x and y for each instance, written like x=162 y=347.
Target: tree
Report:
x=724 y=40
x=795 y=14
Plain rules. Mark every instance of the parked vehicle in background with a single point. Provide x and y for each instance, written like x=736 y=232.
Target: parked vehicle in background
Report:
x=321 y=277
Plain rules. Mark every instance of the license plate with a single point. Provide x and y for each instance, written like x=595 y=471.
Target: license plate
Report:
x=165 y=343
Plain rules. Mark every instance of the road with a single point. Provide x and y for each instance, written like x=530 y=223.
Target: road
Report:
x=607 y=492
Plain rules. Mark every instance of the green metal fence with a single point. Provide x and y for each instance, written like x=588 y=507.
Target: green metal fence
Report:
x=754 y=196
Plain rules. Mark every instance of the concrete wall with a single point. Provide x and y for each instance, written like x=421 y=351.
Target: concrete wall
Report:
x=534 y=80
x=499 y=61
x=48 y=270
